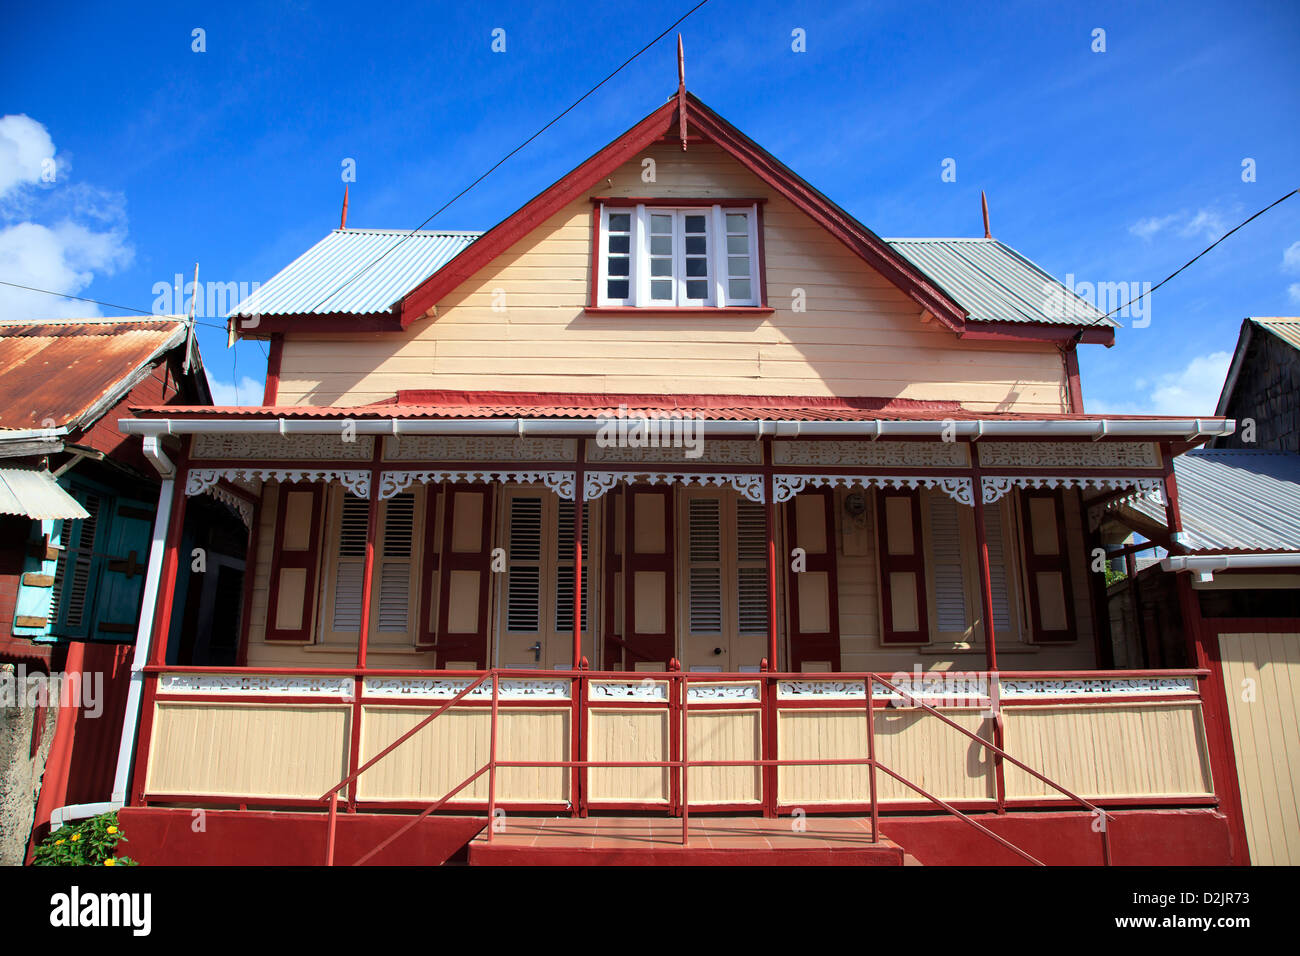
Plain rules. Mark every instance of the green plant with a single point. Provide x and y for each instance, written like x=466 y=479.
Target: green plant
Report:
x=92 y=842
x=1112 y=576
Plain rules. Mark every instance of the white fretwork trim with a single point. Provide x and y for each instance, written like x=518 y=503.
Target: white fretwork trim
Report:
x=995 y=486
x=599 y=482
x=722 y=691
x=322 y=447
x=940 y=686
x=881 y=454
x=395 y=482
x=1037 y=689
x=257 y=685
x=508 y=688
x=824 y=689
x=629 y=690
x=242 y=506
x=200 y=480
x=785 y=487
x=1061 y=454
x=477 y=448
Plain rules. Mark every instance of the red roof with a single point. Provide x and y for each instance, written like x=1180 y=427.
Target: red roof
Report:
x=491 y=404
x=62 y=373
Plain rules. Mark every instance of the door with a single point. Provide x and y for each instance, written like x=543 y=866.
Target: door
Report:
x=464 y=578
x=811 y=582
x=648 y=579
x=725 y=568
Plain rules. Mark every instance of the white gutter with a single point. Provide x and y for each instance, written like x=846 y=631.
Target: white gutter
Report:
x=1205 y=565
x=80 y=811
x=1188 y=429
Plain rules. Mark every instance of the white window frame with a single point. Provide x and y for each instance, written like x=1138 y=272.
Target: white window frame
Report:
x=639 y=268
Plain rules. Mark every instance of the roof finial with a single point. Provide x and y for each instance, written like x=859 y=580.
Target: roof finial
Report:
x=984 y=201
x=681 y=91
x=343 y=220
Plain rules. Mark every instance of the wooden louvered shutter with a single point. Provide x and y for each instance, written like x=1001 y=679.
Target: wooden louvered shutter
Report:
x=947 y=568
x=704 y=567
x=293 y=564
x=76 y=574
x=395 y=570
x=431 y=568
x=751 y=568
x=999 y=573
x=814 y=592
x=343 y=617
x=564 y=567
x=1051 y=610
x=648 y=585
x=465 y=576
x=524 y=564
x=902 y=567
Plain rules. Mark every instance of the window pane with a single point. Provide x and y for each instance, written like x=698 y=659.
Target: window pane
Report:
x=661 y=267
x=618 y=265
x=695 y=246
x=738 y=222
x=738 y=289
x=695 y=223
x=661 y=289
x=661 y=245
x=738 y=244
x=697 y=268
x=697 y=289
x=621 y=244
x=738 y=266
x=620 y=222
x=617 y=289
x=661 y=225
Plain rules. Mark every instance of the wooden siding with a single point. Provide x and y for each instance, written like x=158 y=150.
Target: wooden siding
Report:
x=724 y=735
x=632 y=734
x=1261 y=673
x=859 y=334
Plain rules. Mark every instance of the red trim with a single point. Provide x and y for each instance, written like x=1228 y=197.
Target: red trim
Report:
x=985 y=575
x=593 y=271
x=678 y=310
x=1073 y=387
x=1058 y=563
x=762 y=259
x=273 y=360
x=622 y=202
x=468 y=645
x=307 y=560
x=310 y=322
x=814 y=645
x=913 y=563
x=1037 y=332
x=426 y=626
x=649 y=647
x=839 y=223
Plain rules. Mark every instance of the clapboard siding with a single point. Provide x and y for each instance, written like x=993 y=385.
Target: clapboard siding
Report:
x=859 y=335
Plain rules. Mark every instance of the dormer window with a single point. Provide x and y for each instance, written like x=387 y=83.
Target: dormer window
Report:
x=674 y=255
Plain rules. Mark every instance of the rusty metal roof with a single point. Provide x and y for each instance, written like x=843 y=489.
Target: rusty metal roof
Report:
x=67 y=372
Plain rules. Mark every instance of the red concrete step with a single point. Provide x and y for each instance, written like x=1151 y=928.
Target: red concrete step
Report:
x=657 y=841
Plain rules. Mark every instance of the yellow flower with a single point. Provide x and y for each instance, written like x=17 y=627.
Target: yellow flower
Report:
x=75 y=837
x=112 y=829
x=110 y=862
x=58 y=843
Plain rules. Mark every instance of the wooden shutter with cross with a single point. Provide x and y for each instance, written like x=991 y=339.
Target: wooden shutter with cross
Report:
x=901 y=557
x=294 y=560
x=1047 y=566
x=649 y=588
x=465 y=577
x=813 y=592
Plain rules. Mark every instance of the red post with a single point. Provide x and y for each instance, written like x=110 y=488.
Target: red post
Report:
x=871 y=755
x=363 y=627
x=686 y=797
x=982 y=560
x=579 y=508
x=769 y=522
x=171 y=564
x=492 y=760
x=329 y=839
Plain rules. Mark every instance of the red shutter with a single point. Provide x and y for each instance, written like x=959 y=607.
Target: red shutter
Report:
x=649 y=624
x=611 y=654
x=901 y=555
x=466 y=572
x=1047 y=566
x=812 y=636
x=426 y=632
x=295 y=556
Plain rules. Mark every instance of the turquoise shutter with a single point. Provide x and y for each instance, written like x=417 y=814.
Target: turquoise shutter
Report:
x=116 y=610
x=35 y=608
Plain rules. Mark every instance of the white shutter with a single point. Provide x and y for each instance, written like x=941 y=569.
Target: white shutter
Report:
x=751 y=569
x=946 y=564
x=350 y=563
x=396 y=555
x=704 y=554
x=523 y=580
x=998 y=577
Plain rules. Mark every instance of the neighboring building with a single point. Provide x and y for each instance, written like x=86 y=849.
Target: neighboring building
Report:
x=1225 y=593
x=77 y=508
x=869 y=457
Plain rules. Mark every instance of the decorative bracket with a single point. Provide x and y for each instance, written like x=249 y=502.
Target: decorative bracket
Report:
x=199 y=480
x=563 y=483
x=597 y=483
x=785 y=487
x=995 y=486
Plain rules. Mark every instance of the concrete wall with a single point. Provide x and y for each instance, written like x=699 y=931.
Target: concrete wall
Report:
x=20 y=773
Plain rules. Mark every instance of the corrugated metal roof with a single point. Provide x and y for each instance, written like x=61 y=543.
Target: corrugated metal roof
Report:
x=994 y=283
x=52 y=373
x=317 y=274
x=1235 y=500
x=27 y=491
x=1285 y=327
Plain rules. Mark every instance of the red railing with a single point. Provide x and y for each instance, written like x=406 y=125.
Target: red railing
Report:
x=680 y=683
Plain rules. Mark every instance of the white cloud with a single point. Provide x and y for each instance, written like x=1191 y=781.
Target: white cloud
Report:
x=1291 y=258
x=1293 y=290
x=56 y=237
x=1148 y=227
x=1191 y=391
x=1206 y=223
x=225 y=393
x=24 y=147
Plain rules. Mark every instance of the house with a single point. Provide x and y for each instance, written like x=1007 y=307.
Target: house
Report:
x=77 y=507
x=678 y=493
x=1231 y=579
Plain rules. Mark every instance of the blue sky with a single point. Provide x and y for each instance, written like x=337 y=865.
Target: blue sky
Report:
x=1112 y=166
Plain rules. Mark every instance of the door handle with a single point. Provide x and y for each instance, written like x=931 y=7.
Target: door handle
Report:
x=717 y=650
x=537 y=651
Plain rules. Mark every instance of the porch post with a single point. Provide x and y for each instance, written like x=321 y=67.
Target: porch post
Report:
x=982 y=556
x=368 y=564
x=579 y=509
x=769 y=525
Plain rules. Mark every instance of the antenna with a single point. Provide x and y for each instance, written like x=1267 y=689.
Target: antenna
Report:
x=984 y=201
x=189 y=322
x=343 y=220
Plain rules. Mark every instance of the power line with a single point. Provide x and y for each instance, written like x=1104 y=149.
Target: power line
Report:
x=1195 y=257
x=107 y=305
x=507 y=156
